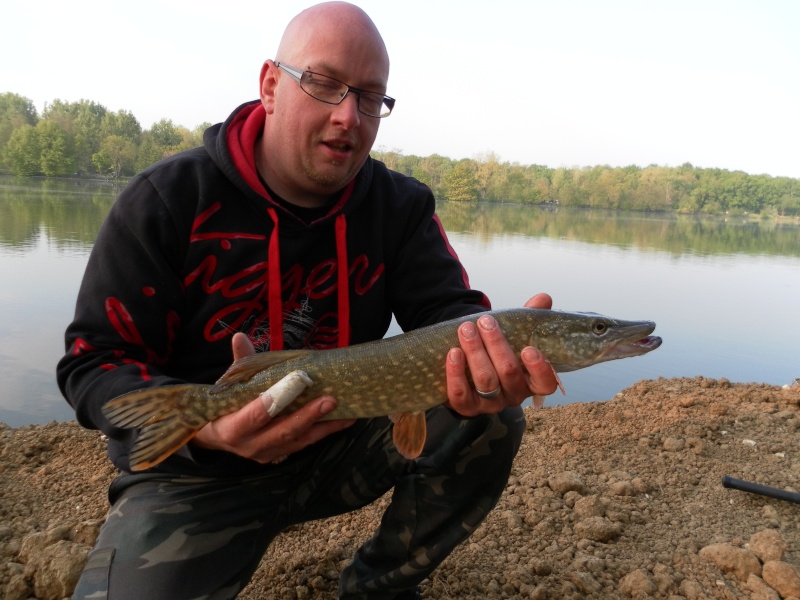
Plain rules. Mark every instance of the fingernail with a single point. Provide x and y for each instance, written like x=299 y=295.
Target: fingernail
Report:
x=531 y=355
x=468 y=330
x=454 y=356
x=326 y=406
x=487 y=323
x=266 y=400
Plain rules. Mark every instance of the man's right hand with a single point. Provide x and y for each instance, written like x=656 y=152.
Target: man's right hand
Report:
x=251 y=433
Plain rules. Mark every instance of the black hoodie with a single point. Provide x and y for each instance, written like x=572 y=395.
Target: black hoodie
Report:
x=195 y=249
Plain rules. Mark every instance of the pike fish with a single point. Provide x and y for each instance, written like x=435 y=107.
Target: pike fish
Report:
x=401 y=376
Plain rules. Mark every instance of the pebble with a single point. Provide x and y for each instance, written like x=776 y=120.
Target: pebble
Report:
x=771 y=515
x=636 y=583
x=621 y=488
x=589 y=506
x=672 y=444
x=783 y=577
x=585 y=582
x=739 y=562
x=567 y=481
x=598 y=529
x=760 y=589
x=767 y=545
x=57 y=569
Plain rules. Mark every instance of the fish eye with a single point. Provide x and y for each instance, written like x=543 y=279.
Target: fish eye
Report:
x=599 y=327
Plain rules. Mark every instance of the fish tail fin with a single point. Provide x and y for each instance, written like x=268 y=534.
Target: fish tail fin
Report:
x=161 y=414
x=409 y=433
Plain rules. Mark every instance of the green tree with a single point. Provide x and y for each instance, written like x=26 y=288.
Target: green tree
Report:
x=789 y=205
x=83 y=121
x=166 y=134
x=148 y=152
x=655 y=190
x=122 y=124
x=490 y=176
x=430 y=170
x=460 y=183
x=15 y=111
x=190 y=138
x=23 y=152
x=57 y=156
x=198 y=133
x=117 y=155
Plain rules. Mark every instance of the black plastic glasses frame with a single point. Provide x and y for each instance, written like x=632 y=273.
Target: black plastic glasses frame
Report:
x=332 y=91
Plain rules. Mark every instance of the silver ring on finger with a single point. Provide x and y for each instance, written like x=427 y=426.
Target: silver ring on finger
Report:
x=489 y=395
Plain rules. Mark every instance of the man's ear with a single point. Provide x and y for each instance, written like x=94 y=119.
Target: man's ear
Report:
x=267 y=82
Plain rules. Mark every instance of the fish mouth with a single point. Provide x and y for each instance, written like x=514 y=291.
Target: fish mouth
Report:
x=650 y=342
x=634 y=340
x=640 y=346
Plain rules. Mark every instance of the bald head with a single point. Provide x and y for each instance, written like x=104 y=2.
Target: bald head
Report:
x=330 y=25
x=311 y=148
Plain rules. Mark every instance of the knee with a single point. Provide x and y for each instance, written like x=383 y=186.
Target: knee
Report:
x=491 y=439
x=504 y=432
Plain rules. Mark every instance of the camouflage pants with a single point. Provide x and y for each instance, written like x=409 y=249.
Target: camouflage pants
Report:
x=173 y=537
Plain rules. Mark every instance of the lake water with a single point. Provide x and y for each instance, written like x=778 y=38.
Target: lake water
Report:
x=725 y=294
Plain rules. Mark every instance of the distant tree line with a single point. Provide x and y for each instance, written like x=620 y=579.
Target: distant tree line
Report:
x=685 y=189
x=84 y=137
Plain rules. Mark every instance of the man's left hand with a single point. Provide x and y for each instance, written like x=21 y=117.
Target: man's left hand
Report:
x=494 y=367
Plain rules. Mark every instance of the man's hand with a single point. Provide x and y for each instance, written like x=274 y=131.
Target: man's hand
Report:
x=494 y=367
x=252 y=433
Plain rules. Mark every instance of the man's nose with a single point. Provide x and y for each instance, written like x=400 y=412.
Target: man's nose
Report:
x=346 y=112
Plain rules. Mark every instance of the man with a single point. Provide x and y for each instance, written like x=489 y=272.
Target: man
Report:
x=282 y=233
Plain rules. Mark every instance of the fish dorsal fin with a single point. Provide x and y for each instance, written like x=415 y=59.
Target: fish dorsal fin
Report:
x=246 y=367
x=409 y=433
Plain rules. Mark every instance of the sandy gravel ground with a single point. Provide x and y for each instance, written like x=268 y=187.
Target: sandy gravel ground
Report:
x=619 y=499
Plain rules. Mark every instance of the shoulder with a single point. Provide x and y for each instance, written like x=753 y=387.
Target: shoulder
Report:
x=186 y=175
x=195 y=163
x=171 y=188
x=383 y=175
x=393 y=191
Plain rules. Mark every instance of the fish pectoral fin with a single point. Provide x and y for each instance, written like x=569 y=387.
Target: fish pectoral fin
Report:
x=409 y=433
x=245 y=368
x=538 y=401
x=560 y=385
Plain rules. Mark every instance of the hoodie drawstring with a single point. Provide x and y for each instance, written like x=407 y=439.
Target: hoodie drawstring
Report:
x=343 y=286
x=275 y=292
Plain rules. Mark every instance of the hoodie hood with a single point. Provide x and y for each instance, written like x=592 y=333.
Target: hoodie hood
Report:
x=231 y=146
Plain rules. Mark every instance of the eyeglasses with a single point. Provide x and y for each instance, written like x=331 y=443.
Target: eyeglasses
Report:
x=332 y=91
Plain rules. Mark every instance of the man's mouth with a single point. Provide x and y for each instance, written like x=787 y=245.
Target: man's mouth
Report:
x=339 y=147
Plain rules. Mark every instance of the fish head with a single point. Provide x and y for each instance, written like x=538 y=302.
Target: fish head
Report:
x=572 y=341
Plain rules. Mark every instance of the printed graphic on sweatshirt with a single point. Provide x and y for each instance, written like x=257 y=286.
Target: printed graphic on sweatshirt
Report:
x=308 y=293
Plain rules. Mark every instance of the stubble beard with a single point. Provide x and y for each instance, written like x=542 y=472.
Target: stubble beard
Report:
x=333 y=178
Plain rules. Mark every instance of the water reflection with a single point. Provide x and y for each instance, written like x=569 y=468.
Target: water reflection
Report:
x=723 y=293
x=68 y=212
x=675 y=234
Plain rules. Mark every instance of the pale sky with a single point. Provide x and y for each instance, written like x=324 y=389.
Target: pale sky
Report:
x=557 y=83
